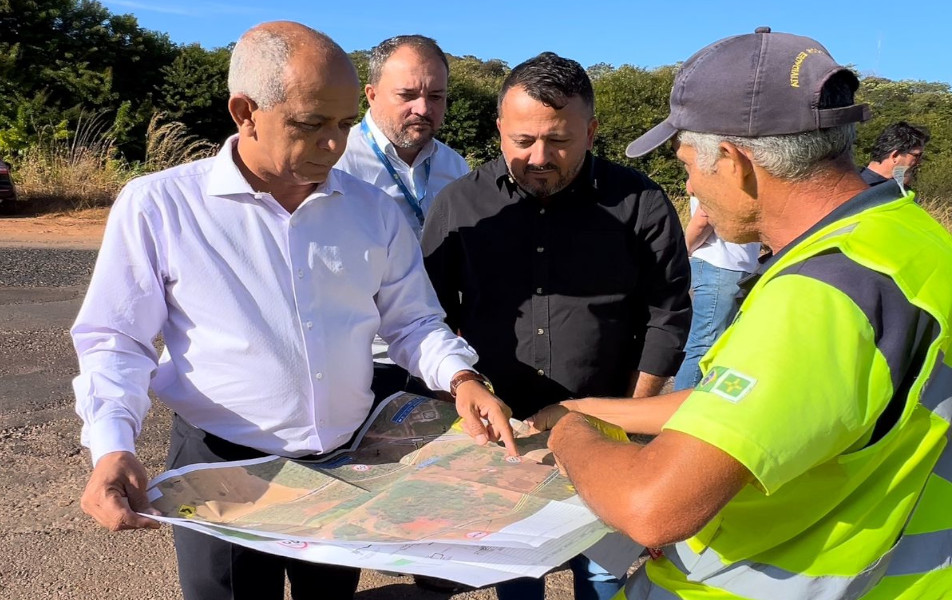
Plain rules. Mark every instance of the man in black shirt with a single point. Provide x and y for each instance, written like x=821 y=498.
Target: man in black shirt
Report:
x=568 y=273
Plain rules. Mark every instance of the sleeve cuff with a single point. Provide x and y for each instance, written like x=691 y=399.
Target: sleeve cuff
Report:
x=662 y=366
x=449 y=366
x=110 y=435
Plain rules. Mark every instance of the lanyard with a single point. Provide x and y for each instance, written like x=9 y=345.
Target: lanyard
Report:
x=412 y=200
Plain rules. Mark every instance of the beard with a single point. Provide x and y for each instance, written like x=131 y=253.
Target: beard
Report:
x=543 y=188
x=406 y=135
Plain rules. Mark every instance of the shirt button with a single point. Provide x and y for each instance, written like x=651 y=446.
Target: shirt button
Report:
x=540 y=331
x=540 y=249
x=300 y=273
x=541 y=211
x=318 y=376
x=310 y=325
x=538 y=290
x=540 y=372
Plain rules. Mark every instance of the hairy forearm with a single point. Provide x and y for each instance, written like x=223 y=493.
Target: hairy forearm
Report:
x=657 y=494
x=646 y=385
x=634 y=415
x=574 y=442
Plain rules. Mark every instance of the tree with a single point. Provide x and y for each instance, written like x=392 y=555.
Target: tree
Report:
x=470 y=123
x=194 y=91
x=78 y=56
x=628 y=102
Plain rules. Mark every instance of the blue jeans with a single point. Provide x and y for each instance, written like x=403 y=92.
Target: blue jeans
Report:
x=714 y=306
x=591 y=582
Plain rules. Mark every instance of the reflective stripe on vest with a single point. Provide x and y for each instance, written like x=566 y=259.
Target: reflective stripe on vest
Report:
x=924 y=552
x=758 y=581
x=937 y=395
x=921 y=553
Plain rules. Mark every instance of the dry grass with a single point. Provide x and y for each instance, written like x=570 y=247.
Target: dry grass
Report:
x=72 y=173
x=169 y=144
x=80 y=172
x=941 y=210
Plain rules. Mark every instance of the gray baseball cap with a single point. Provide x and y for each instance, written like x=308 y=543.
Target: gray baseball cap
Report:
x=753 y=85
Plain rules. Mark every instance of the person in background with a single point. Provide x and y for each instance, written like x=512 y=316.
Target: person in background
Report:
x=900 y=146
x=394 y=148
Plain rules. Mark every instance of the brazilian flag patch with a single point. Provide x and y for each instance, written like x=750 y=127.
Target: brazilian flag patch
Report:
x=726 y=383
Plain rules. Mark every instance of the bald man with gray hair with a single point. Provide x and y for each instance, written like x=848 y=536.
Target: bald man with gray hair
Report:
x=267 y=272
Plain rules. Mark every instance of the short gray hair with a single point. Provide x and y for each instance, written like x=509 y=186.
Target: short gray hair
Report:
x=793 y=157
x=381 y=53
x=258 y=64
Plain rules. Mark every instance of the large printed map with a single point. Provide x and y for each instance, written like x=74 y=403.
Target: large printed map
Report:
x=409 y=477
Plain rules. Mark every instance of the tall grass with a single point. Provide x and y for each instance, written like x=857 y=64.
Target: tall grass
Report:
x=169 y=144
x=83 y=170
x=75 y=172
x=940 y=209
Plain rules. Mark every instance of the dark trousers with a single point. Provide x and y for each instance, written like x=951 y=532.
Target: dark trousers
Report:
x=212 y=569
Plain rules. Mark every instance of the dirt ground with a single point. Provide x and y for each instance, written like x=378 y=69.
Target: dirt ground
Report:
x=50 y=548
x=75 y=230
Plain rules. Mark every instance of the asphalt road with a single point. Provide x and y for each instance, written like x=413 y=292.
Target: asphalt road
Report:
x=51 y=549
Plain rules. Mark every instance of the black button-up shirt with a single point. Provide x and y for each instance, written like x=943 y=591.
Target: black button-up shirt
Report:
x=567 y=296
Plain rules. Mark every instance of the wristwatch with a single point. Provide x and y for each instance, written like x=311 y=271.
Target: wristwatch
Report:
x=469 y=376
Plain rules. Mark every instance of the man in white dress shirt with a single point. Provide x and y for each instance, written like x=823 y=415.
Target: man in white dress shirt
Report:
x=267 y=273
x=394 y=148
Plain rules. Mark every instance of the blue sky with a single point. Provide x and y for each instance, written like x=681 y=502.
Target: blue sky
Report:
x=896 y=40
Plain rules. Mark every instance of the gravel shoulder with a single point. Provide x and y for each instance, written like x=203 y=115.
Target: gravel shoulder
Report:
x=50 y=548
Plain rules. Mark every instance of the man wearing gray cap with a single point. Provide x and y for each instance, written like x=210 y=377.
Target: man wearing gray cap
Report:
x=812 y=460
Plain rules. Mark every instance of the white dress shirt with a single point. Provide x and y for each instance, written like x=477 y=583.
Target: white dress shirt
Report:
x=446 y=165
x=266 y=315
x=360 y=160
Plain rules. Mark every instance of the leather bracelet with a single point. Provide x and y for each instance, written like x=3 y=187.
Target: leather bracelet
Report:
x=469 y=376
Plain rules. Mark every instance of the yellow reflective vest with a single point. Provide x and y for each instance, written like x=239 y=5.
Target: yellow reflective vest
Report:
x=869 y=517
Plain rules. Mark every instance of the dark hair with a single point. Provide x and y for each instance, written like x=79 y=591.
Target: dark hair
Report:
x=899 y=137
x=382 y=52
x=550 y=79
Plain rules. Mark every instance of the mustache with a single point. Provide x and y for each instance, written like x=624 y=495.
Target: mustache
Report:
x=418 y=121
x=540 y=168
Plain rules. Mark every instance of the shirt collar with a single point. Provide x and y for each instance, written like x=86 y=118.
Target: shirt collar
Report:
x=390 y=150
x=225 y=179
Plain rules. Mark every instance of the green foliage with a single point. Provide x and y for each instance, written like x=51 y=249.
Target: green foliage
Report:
x=30 y=122
x=62 y=60
x=195 y=91
x=470 y=123
x=628 y=102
